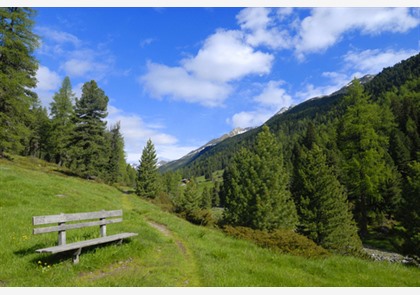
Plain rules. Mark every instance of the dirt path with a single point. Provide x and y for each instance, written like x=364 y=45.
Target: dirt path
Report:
x=166 y=232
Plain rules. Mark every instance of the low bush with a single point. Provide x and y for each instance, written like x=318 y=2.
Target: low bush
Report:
x=284 y=241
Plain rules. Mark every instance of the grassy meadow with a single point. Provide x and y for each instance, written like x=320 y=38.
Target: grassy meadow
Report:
x=168 y=251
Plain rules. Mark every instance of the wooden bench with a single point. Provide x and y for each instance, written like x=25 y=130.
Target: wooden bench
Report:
x=103 y=218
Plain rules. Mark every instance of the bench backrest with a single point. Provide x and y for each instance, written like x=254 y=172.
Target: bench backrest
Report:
x=62 y=218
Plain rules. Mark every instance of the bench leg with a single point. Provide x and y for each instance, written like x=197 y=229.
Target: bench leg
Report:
x=76 y=256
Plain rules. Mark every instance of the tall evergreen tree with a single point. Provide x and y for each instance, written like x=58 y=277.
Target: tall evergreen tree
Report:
x=192 y=199
x=88 y=142
x=116 y=163
x=324 y=212
x=62 y=113
x=147 y=174
x=18 y=69
x=365 y=152
x=256 y=187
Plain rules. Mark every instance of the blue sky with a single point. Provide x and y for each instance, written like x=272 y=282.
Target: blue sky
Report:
x=183 y=76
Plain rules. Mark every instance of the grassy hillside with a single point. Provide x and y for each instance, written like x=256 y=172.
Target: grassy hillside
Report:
x=168 y=251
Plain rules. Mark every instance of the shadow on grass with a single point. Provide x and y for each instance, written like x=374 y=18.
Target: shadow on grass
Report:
x=126 y=191
x=67 y=173
x=56 y=258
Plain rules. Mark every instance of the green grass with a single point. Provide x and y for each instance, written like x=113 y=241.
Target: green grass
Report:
x=183 y=255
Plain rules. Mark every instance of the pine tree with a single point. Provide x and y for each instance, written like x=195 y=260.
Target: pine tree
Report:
x=147 y=174
x=88 y=142
x=62 y=113
x=18 y=69
x=256 y=187
x=324 y=212
x=116 y=163
x=364 y=149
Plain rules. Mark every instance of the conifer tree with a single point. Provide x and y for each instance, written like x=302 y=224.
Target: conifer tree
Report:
x=88 y=142
x=324 y=212
x=364 y=149
x=192 y=199
x=116 y=164
x=206 y=198
x=255 y=187
x=18 y=69
x=62 y=113
x=147 y=174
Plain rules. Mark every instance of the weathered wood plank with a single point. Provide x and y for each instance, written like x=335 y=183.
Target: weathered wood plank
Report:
x=83 y=244
x=42 y=230
x=38 y=220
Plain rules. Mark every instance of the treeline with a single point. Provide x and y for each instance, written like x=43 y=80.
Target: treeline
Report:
x=73 y=132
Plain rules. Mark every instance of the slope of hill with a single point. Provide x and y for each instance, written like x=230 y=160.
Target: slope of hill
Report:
x=191 y=156
x=168 y=252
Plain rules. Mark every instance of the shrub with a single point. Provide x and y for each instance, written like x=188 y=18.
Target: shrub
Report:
x=284 y=241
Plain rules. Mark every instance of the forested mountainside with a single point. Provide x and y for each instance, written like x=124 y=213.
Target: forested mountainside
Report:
x=290 y=125
x=330 y=161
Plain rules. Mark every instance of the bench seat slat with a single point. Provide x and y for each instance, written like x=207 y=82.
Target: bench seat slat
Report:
x=82 y=244
x=43 y=230
x=37 y=220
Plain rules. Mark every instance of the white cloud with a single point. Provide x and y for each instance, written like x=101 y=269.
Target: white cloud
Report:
x=48 y=82
x=146 y=42
x=225 y=57
x=77 y=68
x=249 y=119
x=136 y=133
x=326 y=26
x=47 y=79
x=77 y=60
x=176 y=82
x=310 y=91
x=59 y=37
x=356 y=64
x=261 y=29
x=373 y=61
x=206 y=77
x=273 y=96
x=271 y=100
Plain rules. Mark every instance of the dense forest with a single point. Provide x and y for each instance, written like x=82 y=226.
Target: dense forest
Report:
x=330 y=169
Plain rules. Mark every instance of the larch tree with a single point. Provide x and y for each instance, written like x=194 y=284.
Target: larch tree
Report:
x=147 y=184
x=365 y=152
x=18 y=68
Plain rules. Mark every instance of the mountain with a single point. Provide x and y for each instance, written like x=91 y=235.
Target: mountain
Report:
x=173 y=165
x=289 y=124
